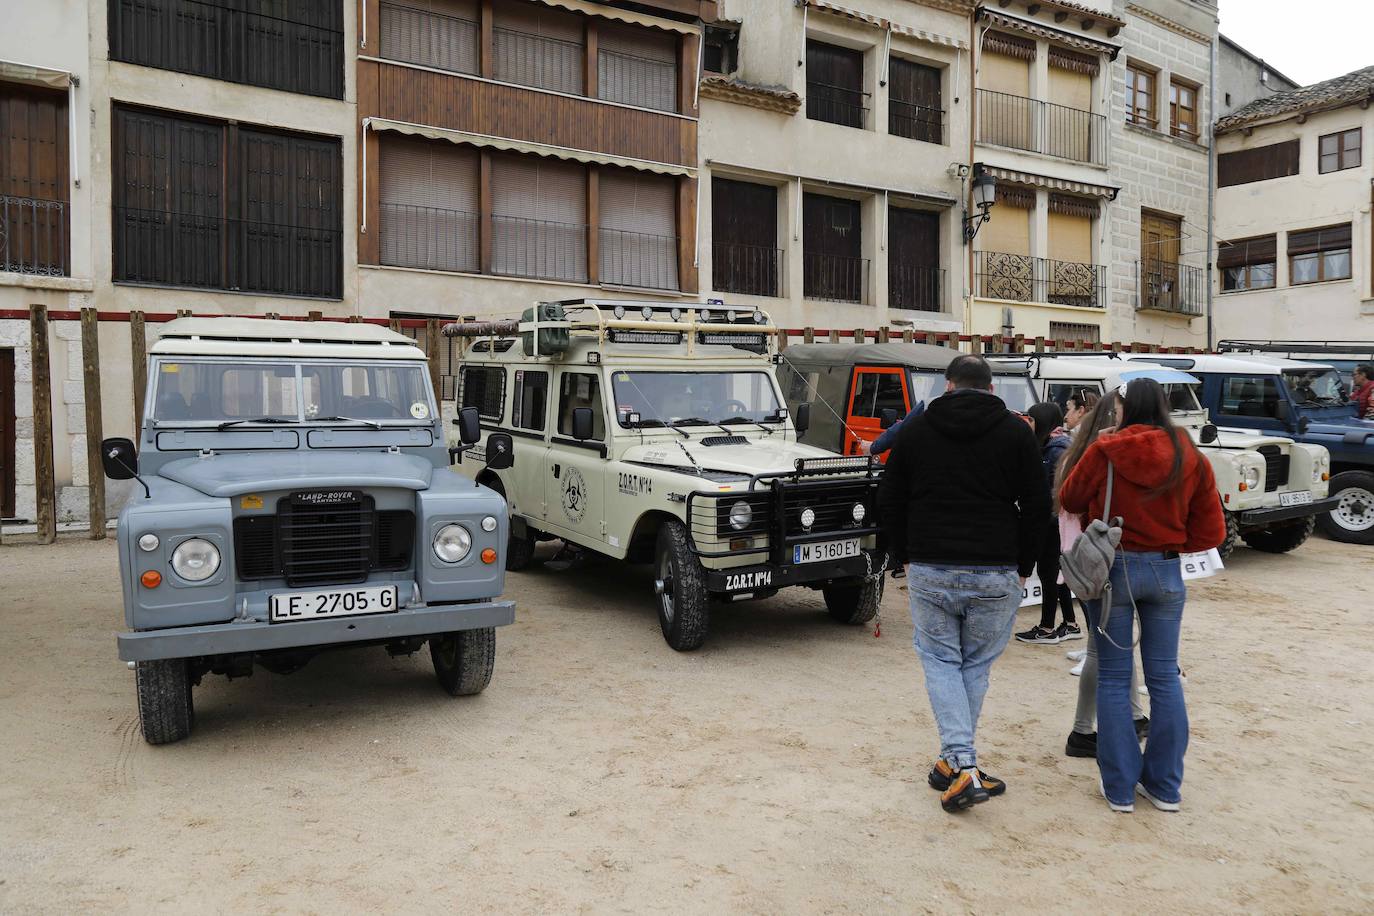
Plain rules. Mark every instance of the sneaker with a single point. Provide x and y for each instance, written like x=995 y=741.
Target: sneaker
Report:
x=1076 y=655
x=1081 y=745
x=964 y=792
x=1142 y=728
x=1068 y=631
x=1077 y=669
x=942 y=774
x=1120 y=809
x=1158 y=803
x=1038 y=634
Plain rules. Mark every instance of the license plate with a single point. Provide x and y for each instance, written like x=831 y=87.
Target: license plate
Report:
x=1299 y=498
x=334 y=602
x=820 y=551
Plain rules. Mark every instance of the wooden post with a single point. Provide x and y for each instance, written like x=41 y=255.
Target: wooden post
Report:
x=834 y=335
x=138 y=357
x=45 y=487
x=593 y=212
x=1039 y=344
x=997 y=344
x=590 y=58
x=488 y=55
x=976 y=343
x=432 y=356
x=908 y=335
x=90 y=373
x=860 y=336
x=884 y=334
x=395 y=325
x=315 y=315
x=808 y=335
x=1018 y=343
x=782 y=339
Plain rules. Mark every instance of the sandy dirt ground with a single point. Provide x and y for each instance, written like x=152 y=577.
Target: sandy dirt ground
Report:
x=780 y=769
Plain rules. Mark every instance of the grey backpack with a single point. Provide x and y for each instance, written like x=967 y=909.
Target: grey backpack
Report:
x=1087 y=565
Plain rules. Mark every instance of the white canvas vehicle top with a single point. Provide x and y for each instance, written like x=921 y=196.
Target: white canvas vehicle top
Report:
x=276 y=337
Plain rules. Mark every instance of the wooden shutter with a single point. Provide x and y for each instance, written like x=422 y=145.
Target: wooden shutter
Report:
x=539 y=218
x=34 y=216
x=538 y=46
x=638 y=243
x=637 y=66
x=1277 y=160
x=744 y=237
x=832 y=249
x=834 y=84
x=913 y=259
x=915 y=103
x=432 y=33
x=429 y=204
x=1243 y=252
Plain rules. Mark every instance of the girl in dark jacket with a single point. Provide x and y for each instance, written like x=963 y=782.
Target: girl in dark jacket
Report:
x=1048 y=421
x=1166 y=496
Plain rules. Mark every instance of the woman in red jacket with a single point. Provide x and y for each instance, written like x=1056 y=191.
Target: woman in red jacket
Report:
x=1166 y=496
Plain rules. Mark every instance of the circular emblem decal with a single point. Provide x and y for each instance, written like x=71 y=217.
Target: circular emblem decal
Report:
x=419 y=410
x=574 y=495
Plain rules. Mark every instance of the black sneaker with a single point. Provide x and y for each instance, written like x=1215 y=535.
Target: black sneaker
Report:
x=1039 y=634
x=1142 y=728
x=1068 y=631
x=942 y=774
x=1081 y=745
x=964 y=792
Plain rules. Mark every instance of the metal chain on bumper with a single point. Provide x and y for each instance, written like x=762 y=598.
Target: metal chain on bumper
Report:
x=871 y=576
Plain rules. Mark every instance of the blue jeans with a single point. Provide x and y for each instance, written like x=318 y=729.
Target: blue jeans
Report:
x=1156 y=582
x=963 y=618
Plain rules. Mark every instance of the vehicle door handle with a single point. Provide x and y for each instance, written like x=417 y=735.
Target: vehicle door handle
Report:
x=557 y=469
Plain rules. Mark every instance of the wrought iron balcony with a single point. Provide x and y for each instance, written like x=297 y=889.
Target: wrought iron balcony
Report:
x=752 y=270
x=915 y=122
x=1166 y=286
x=834 y=278
x=33 y=236
x=836 y=104
x=914 y=287
x=1041 y=127
x=429 y=238
x=538 y=249
x=641 y=259
x=1021 y=278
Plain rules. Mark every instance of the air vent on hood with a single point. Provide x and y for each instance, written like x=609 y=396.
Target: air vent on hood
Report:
x=724 y=440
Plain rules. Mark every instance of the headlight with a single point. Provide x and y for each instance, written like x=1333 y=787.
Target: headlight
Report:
x=758 y=317
x=452 y=543
x=195 y=560
x=1250 y=476
x=148 y=542
x=741 y=514
x=858 y=512
x=618 y=311
x=489 y=523
x=808 y=517
x=706 y=316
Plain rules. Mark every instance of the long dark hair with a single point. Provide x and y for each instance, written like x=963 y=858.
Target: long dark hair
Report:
x=1048 y=417
x=1101 y=416
x=1146 y=404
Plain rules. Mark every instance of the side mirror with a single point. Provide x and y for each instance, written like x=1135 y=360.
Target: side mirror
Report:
x=1208 y=434
x=469 y=425
x=888 y=418
x=119 y=459
x=1303 y=424
x=500 y=451
x=582 y=423
x=802 y=420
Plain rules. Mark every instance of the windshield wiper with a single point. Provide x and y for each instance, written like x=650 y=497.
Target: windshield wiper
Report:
x=683 y=421
x=731 y=421
x=373 y=423
x=656 y=423
x=228 y=423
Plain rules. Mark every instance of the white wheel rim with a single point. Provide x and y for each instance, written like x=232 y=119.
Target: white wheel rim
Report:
x=1355 y=512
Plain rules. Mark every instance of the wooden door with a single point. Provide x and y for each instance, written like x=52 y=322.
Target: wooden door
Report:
x=7 y=433
x=1160 y=244
x=872 y=390
x=744 y=237
x=913 y=259
x=832 y=249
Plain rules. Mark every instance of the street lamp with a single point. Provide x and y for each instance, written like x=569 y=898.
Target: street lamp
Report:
x=984 y=197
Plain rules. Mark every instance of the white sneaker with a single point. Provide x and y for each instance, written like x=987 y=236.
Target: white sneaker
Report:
x=1076 y=655
x=1161 y=805
x=1077 y=669
x=1120 y=809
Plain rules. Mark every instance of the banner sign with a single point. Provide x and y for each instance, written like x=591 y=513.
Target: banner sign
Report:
x=1194 y=566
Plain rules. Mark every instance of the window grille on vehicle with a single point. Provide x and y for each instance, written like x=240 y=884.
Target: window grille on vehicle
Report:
x=319 y=545
x=1275 y=467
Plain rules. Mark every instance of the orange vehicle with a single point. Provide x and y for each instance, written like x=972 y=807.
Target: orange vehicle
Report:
x=859 y=390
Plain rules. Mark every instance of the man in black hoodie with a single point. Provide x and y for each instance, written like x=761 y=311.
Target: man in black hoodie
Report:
x=963 y=503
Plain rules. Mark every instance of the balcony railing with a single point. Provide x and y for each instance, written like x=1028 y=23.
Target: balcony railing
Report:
x=834 y=278
x=638 y=259
x=537 y=60
x=429 y=39
x=217 y=41
x=752 y=270
x=915 y=122
x=1041 y=127
x=538 y=249
x=33 y=236
x=1021 y=278
x=1165 y=286
x=212 y=252
x=837 y=104
x=429 y=238
x=915 y=287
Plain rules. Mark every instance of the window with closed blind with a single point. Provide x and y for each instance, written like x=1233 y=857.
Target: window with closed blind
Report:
x=638 y=241
x=1277 y=160
x=636 y=67
x=914 y=106
x=1247 y=263
x=1315 y=255
x=429 y=204
x=539 y=218
x=536 y=45
x=444 y=34
x=835 y=84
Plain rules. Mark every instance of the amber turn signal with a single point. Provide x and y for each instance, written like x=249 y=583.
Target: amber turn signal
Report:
x=151 y=579
x=1243 y=487
x=1325 y=476
x=489 y=555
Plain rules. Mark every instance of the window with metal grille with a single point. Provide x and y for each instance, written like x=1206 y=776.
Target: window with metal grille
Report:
x=483 y=387
x=914 y=106
x=539 y=218
x=745 y=257
x=534 y=45
x=429 y=204
x=444 y=34
x=530 y=400
x=638 y=238
x=835 y=85
x=266 y=219
x=35 y=217
x=295 y=46
x=637 y=66
x=1071 y=330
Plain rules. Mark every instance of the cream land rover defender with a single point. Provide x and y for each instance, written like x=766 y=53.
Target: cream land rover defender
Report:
x=653 y=432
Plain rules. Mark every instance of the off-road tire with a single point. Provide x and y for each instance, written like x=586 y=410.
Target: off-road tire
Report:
x=684 y=605
x=1282 y=538
x=1330 y=522
x=166 y=710
x=520 y=551
x=854 y=603
x=1228 y=546
x=464 y=660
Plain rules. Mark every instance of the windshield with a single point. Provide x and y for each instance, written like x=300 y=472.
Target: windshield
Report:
x=1182 y=397
x=694 y=398
x=206 y=391
x=1316 y=387
x=1014 y=390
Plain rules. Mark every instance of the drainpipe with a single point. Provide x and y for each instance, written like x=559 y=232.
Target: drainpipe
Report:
x=1211 y=185
x=967 y=186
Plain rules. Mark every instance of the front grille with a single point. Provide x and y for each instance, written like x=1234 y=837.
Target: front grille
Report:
x=313 y=544
x=256 y=554
x=1275 y=467
x=833 y=505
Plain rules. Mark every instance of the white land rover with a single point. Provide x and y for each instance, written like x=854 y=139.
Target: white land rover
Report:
x=652 y=432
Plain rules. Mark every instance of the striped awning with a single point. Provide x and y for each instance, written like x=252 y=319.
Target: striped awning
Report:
x=1050 y=33
x=604 y=11
x=879 y=22
x=1054 y=184
x=507 y=144
x=29 y=74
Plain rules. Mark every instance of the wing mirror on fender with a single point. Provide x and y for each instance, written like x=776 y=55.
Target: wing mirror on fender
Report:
x=1208 y=434
x=469 y=425
x=119 y=461
x=802 y=419
x=500 y=451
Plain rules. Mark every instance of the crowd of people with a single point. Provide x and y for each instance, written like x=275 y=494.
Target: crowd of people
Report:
x=975 y=498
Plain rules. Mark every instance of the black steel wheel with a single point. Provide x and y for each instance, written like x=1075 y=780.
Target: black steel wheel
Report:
x=684 y=606
x=1282 y=538
x=856 y=602
x=166 y=710
x=464 y=660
